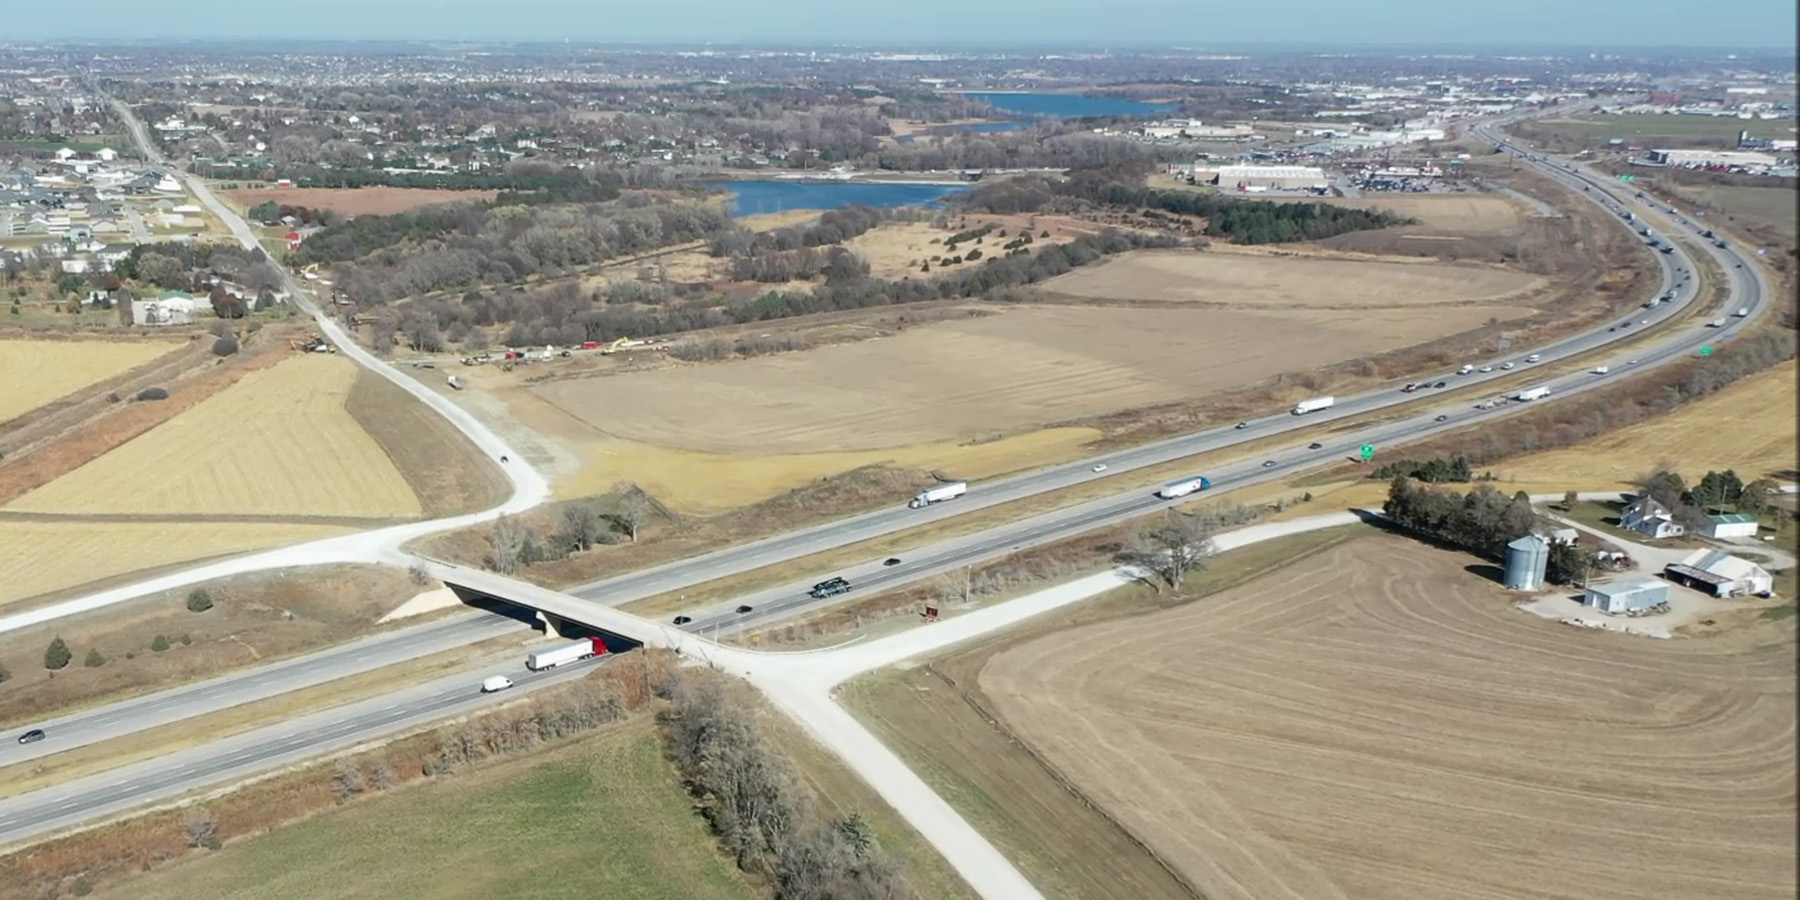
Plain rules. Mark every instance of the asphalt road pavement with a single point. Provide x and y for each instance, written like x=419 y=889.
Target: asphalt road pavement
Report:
x=36 y=812
x=200 y=698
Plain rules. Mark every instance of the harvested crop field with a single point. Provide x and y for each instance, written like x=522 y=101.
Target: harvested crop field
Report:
x=34 y=373
x=1267 y=281
x=995 y=374
x=1461 y=214
x=48 y=556
x=896 y=250
x=369 y=201
x=277 y=443
x=1376 y=721
x=1762 y=440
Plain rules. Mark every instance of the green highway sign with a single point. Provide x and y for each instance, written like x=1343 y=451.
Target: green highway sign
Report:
x=1368 y=452
x=1705 y=351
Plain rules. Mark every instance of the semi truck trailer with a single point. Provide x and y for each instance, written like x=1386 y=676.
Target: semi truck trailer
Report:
x=1313 y=405
x=1534 y=393
x=1183 y=487
x=539 y=660
x=939 y=494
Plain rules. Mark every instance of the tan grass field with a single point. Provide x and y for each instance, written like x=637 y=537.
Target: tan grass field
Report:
x=1473 y=214
x=278 y=442
x=895 y=251
x=367 y=201
x=1304 y=282
x=33 y=373
x=1373 y=721
x=43 y=557
x=996 y=374
x=696 y=483
x=1748 y=427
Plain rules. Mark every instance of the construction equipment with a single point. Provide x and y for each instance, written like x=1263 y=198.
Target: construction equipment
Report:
x=312 y=343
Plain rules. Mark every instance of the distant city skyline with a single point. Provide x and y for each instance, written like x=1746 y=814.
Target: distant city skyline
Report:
x=1723 y=25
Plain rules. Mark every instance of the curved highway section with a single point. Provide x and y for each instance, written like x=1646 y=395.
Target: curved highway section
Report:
x=27 y=815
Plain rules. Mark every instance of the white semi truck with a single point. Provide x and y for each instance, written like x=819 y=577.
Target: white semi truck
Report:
x=1183 y=487
x=539 y=660
x=1313 y=405
x=1534 y=393
x=939 y=494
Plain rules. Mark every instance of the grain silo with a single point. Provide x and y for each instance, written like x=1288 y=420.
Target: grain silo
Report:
x=1526 y=560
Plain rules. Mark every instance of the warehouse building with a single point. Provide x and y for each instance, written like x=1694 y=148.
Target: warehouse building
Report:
x=1712 y=158
x=1261 y=178
x=1720 y=574
x=1626 y=597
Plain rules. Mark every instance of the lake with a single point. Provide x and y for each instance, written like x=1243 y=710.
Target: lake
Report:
x=754 y=198
x=1068 y=106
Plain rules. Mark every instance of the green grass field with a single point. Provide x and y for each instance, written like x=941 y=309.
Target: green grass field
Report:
x=1771 y=207
x=602 y=818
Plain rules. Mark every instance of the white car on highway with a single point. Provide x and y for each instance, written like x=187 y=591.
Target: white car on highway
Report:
x=1099 y=467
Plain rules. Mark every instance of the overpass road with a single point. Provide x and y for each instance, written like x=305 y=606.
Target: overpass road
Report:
x=24 y=815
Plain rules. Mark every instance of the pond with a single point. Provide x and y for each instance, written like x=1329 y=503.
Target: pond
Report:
x=753 y=198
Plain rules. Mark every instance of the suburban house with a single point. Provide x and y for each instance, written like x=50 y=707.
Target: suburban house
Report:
x=1650 y=518
x=1731 y=525
x=1720 y=574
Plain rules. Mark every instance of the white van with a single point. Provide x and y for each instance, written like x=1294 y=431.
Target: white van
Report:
x=496 y=683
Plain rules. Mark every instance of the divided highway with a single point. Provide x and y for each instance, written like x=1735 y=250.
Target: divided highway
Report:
x=52 y=808
x=241 y=756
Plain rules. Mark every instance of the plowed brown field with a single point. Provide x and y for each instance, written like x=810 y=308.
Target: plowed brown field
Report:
x=1375 y=722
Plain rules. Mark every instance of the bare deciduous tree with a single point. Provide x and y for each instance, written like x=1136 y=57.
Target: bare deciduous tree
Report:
x=201 y=830
x=1172 y=547
x=582 y=524
x=630 y=511
x=506 y=537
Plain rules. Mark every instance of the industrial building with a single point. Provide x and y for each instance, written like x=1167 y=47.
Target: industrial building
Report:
x=1261 y=178
x=1720 y=574
x=1625 y=597
x=1526 y=561
x=1712 y=158
x=1731 y=525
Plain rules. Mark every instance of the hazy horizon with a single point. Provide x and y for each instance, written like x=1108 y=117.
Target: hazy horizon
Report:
x=1723 y=25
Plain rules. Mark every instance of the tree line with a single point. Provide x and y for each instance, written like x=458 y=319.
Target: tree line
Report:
x=758 y=803
x=1482 y=521
x=461 y=245
x=1241 y=221
x=563 y=313
x=832 y=227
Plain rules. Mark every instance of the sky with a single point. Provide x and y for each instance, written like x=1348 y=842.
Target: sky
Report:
x=1725 y=24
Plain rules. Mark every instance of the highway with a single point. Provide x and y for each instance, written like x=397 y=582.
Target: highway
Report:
x=112 y=720
x=52 y=808
x=382 y=546
x=243 y=755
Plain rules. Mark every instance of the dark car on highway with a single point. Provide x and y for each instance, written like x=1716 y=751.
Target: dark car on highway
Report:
x=1241 y=425
x=829 y=588
x=891 y=561
x=1268 y=463
x=744 y=609
x=32 y=736
x=683 y=620
x=1440 y=418
x=1314 y=445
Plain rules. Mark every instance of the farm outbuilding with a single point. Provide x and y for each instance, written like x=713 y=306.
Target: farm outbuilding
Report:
x=1720 y=574
x=1731 y=525
x=1526 y=561
x=1625 y=596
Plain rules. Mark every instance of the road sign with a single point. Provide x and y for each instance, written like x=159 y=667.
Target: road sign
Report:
x=1368 y=452
x=1705 y=351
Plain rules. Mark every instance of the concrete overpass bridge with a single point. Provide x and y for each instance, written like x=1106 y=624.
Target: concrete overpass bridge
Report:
x=565 y=615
